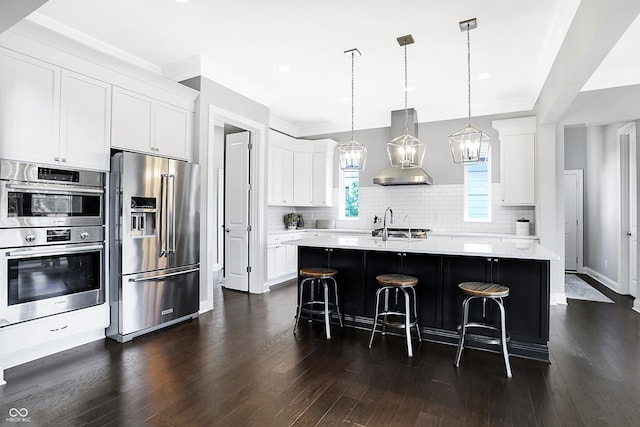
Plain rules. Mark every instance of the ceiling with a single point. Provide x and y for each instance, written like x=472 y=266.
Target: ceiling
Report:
x=247 y=41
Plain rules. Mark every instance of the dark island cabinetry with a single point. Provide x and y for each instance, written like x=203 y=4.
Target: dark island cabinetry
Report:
x=440 y=301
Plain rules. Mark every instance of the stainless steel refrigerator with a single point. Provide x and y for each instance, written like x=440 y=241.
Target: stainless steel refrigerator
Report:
x=154 y=243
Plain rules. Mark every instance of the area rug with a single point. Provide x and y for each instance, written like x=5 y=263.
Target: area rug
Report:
x=576 y=288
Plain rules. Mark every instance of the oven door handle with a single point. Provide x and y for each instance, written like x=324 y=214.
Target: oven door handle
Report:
x=52 y=188
x=36 y=252
x=162 y=276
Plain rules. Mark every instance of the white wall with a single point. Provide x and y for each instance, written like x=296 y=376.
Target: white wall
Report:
x=602 y=200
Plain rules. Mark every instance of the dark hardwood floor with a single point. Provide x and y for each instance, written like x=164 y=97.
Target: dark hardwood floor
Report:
x=240 y=365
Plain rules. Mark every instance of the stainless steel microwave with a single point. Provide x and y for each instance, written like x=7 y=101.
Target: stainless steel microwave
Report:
x=33 y=195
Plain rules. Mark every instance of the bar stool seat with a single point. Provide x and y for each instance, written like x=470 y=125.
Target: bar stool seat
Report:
x=392 y=316
x=485 y=291
x=325 y=277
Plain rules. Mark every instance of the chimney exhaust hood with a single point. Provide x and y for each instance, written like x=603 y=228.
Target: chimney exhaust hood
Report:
x=397 y=176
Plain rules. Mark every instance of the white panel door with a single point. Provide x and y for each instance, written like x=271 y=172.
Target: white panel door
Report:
x=85 y=121
x=633 y=217
x=570 y=222
x=29 y=108
x=236 y=254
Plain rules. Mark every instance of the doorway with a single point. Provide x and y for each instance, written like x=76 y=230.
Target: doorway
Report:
x=573 y=220
x=255 y=250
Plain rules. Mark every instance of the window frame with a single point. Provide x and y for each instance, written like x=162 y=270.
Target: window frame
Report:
x=489 y=193
x=341 y=197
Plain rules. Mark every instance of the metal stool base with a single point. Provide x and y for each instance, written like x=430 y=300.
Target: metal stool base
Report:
x=326 y=307
x=501 y=341
x=408 y=321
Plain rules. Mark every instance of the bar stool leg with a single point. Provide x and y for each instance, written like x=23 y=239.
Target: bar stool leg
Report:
x=415 y=312
x=375 y=318
x=327 y=325
x=463 y=330
x=335 y=289
x=407 y=322
x=295 y=327
x=503 y=337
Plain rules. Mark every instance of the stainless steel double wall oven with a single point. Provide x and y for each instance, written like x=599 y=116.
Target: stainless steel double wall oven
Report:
x=51 y=240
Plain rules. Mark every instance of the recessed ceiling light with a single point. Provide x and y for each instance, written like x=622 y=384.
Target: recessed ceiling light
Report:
x=181 y=1
x=345 y=99
x=484 y=76
x=284 y=68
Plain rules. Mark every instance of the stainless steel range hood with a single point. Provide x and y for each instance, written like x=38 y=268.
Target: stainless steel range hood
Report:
x=397 y=176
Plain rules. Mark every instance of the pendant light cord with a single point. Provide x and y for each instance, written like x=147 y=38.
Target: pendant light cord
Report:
x=406 y=112
x=352 y=92
x=469 y=69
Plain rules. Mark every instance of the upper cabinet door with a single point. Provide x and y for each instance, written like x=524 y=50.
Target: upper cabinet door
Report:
x=172 y=131
x=29 y=108
x=302 y=178
x=131 y=121
x=517 y=171
x=85 y=126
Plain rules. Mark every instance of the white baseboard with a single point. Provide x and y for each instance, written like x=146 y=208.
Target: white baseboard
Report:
x=636 y=305
x=609 y=283
x=559 y=298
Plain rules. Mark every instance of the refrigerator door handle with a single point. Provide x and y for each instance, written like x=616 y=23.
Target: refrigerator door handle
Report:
x=172 y=249
x=163 y=214
x=163 y=276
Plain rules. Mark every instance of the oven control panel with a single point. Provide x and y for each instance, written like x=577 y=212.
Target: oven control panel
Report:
x=17 y=237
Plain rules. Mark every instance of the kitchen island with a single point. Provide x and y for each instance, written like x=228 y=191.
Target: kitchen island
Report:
x=440 y=265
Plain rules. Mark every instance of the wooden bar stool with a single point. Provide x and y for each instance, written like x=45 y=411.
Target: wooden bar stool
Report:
x=485 y=291
x=399 y=283
x=325 y=307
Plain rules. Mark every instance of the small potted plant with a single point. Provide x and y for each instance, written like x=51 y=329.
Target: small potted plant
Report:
x=291 y=220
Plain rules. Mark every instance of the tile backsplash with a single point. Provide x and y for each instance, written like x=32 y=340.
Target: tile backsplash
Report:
x=438 y=207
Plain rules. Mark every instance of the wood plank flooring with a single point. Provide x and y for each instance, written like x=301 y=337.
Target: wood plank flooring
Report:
x=240 y=365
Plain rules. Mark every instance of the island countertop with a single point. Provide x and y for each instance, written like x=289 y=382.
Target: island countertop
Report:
x=517 y=250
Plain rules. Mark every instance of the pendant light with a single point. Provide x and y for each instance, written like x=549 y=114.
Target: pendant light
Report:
x=406 y=151
x=353 y=155
x=469 y=145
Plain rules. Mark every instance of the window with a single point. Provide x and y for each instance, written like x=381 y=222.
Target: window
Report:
x=349 y=184
x=477 y=192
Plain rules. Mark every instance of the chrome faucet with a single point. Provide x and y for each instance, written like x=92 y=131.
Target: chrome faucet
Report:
x=385 y=231
x=407 y=219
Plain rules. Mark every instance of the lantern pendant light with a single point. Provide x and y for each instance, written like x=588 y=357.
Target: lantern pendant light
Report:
x=353 y=155
x=469 y=145
x=406 y=151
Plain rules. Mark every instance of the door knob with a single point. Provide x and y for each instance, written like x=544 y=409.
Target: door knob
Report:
x=227 y=230
x=628 y=233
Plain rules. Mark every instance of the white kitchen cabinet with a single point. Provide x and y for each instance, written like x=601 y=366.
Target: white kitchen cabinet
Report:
x=517 y=160
x=141 y=123
x=303 y=177
x=27 y=341
x=51 y=115
x=280 y=176
x=300 y=171
x=29 y=108
x=517 y=169
x=322 y=178
x=173 y=131
x=85 y=125
x=282 y=259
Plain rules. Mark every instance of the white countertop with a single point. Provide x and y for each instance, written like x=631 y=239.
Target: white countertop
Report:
x=522 y=250
x=360 y=232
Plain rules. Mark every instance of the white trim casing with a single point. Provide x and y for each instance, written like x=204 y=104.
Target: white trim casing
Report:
x=258 y=203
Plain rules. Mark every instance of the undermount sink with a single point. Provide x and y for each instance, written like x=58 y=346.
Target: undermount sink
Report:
x=417 y=233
